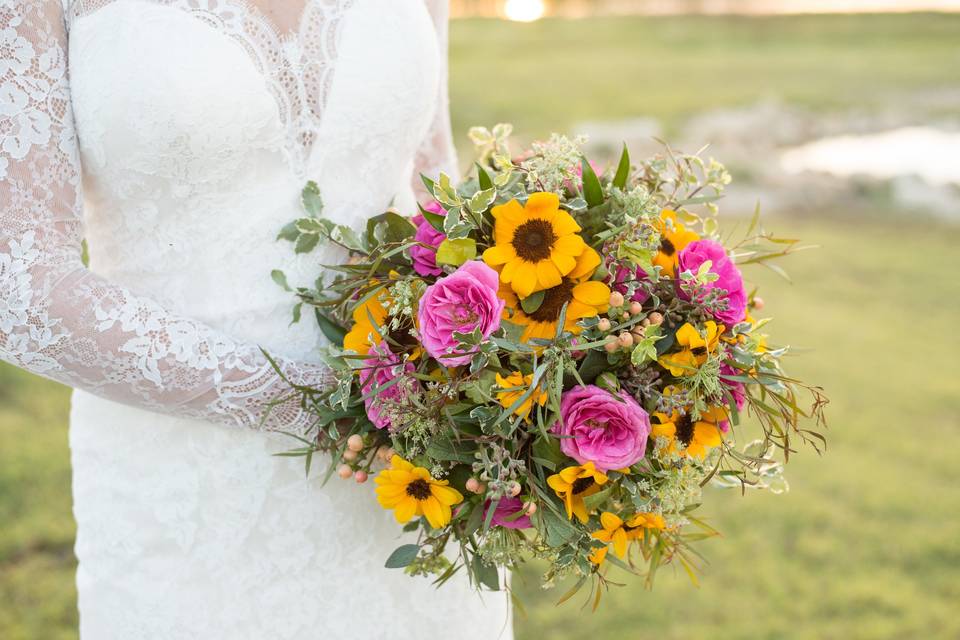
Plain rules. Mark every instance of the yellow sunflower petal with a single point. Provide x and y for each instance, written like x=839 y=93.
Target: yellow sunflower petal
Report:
x=509 y=212
x=610 y=520
x=597 y=556
x=564 y=224
x=587 y=263
x=620 y=542
x=547 y=274
x=405 y=510
x=565 y=263
x=594 y=293
x=433 y=510
x=572 y=245
x=524 y=280
x=557 y=483
x=499 y=254
x=399 y=463
x=579 y=509
x=602 y=535
x=543 y=202
x=706 y=434
x=446 y=495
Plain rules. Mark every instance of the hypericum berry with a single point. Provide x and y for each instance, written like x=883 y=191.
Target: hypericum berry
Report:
x=625 y=339
x=473 y=485
x=515 y=489
x=531 y=508
x=625 y=315
x=344 y=471
x=639 y=331
x=604 y=324
x=655 y=318
x=349 y=455
x=616 y=299
x=355 y=442
x=635 y=308
x=360 y=477
x=612 y=344
x=758 y=303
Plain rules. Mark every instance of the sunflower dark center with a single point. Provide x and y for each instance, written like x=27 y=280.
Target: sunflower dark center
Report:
x=419 y=489
x=685 y=429
x=534 y=240
x=553 y=300
x=581 y=484
x=666 y=246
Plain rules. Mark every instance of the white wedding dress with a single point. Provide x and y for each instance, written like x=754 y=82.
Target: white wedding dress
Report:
x=196 y=124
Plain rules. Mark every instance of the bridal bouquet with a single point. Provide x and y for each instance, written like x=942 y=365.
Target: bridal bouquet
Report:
x=550 y=360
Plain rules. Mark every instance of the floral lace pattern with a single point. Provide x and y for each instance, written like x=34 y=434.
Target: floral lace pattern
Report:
x=62 y=321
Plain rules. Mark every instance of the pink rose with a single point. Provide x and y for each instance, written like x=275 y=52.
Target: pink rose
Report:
x=597 y=426
x=730 y=280
x=424 y=259
x=459 y=303
x=506 y=508
x=381 y=367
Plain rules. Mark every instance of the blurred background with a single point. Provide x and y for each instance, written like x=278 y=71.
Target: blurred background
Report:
x=842 y=118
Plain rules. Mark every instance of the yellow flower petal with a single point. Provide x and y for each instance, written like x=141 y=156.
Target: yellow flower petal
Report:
x=564 y=224
x=499 y=254
x=594 y=293
x=620 y=542
x=587 y=263
x=565 y=263
x=571 y=244
x=610 y=520
x=524 y=280
x=433 y=510
x=405 y=510
x=543 y=202
x=511 y=212
x=547 y=274
x=446 y=495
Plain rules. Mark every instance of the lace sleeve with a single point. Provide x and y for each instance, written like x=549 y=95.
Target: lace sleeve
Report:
x=61 y=321
x=437 y=152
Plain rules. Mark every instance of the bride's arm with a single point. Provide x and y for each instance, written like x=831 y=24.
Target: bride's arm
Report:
x=437 y=152
x=61 y=321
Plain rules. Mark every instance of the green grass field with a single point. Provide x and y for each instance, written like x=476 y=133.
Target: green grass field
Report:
x=867 y=543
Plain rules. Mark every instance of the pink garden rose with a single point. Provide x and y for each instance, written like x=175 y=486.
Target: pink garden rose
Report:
x=459 y=303
x=424 y=259
x=507 y=507
x=380 y=367
x=730 y=280
x=597 y=426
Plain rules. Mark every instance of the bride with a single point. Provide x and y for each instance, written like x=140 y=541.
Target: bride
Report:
x=177 y=150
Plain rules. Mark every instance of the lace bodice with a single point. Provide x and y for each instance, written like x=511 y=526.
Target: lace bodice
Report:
x=183 y=160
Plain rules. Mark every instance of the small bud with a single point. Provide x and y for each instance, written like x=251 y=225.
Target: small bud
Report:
x=626 y=339
x=515 y=489
x=608 y=380
x=604 y=324
x=616 y=299
x=758 y=303
x=636 y=308
x=349 y=455
x=360 y=477
x=355 y=442
x=655 y=318
x=625 y=316
x=473 y=485
x=344 y=471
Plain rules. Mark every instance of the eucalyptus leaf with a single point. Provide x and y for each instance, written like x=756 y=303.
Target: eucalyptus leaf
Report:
x=402 y=556
x=532 y=302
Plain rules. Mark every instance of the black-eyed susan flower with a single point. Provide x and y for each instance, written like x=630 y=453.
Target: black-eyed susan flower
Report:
x=673 y=238
x=536 y=244
x=618 y=532
x=687 y=436
x=411 y=491
x=695 y=347
x=515 y=386
x=584 y=299
x=573 y=484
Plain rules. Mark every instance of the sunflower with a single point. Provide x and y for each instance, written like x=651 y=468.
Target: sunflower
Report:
x=673 y=238
x=358 y=339
x=573 y=484
x=518 y=384
x=411 y=491
x=695 y=348
x=584 y=299
x=619 y=532
x=691 y=437
x=536 y=244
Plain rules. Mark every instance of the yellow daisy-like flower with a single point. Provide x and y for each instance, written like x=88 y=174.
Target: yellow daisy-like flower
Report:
x=536 y=244
x=673 y=238
x=573 y=484
x=691 y=437
x=619 y=532
x=358 y=339
x=584 y=299
x=695 y=348
x=411 y=491
x=519 y=383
